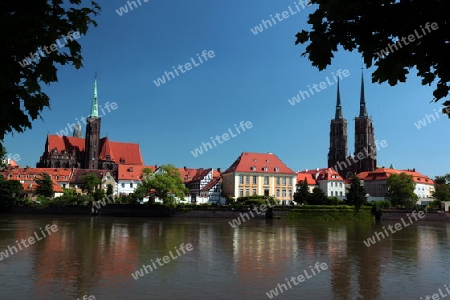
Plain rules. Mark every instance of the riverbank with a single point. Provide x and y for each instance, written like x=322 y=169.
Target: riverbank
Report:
x=307 y=212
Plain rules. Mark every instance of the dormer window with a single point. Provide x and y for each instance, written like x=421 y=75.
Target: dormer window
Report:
x=267 y=160
x=265 y=169
x=253 y=168
x=277 y=169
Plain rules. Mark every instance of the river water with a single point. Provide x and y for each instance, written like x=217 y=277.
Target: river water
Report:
x=209 y=259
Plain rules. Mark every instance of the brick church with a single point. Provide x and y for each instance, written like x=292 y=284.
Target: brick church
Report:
x=365 y=155
x=90 y=152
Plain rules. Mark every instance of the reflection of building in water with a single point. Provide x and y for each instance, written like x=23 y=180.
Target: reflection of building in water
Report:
x=264 y=252
x=103 y=252
x=340 y=263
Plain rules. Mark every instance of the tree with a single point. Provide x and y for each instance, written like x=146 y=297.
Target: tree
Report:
x=109 y=190
x=442 y=179
x=9 y=191
x=302 y=193
x=2 y=157
x=317 y=197
x=356 y=194
x=442 y=188
x=166 y=185
x=36 y=28
x=401 y=190
x=44 y=185
x=377 y=29
x=90 y=182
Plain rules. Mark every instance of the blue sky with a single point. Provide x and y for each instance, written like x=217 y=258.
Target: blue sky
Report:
x=250 y=78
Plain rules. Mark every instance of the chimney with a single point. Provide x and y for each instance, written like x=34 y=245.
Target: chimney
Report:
x=218 y=170
x=184 y=168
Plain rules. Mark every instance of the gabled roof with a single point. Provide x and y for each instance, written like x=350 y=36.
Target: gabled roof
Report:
x=252 y=162
x=384 y=173
x=132 y=172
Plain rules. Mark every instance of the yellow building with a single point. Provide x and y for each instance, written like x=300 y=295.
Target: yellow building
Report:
x=259 y=174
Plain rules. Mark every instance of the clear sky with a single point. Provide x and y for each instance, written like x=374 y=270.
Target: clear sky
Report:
x=249 y=78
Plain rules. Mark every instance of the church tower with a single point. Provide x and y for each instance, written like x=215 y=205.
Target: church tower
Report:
x=92 y=140
x=364 y=137
x=338 y=136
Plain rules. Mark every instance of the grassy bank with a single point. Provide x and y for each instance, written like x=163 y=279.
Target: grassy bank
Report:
x=332 y=213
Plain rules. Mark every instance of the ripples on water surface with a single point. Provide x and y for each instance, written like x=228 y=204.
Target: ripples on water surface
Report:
x=96 y=256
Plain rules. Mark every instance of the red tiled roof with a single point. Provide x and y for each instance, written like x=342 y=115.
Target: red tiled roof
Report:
x=187 y=174
x=384 y=173
x=128 y=153
x=309 y=178
x=251 y=162
x=121 y=153
x=324 y=174
x=57 y=188
x=58 y=174
x=67 y=143
x=132 y=172
x=31 y=187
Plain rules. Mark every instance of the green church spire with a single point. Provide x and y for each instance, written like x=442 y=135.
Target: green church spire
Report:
x=94 y=108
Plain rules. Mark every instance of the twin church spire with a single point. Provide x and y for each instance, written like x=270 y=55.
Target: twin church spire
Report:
x=362 y=102
x=364 y=158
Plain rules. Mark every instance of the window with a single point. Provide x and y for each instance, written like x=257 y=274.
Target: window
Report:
x=10 y=176
x=241 y=179
x=254 y=192
x=131 y=185
x=278 y=193
x=277 y=169
x=331 y=193
x=241 y=192
x=247 y=192
x=284 y=181
x=278 y=180
x=266 y=180
x=18 y=176
x=266 y=192
x=340 y=193
x=254 y=179
x=290 y=193
x=123 y=185
x=57 y=177
x=247 y=180
x=265 y=169
x=283 y=192
x=26 y=176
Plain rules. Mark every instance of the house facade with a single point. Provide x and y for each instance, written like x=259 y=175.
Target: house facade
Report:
x=328 y=180
x=259 y=174
x=375 y=183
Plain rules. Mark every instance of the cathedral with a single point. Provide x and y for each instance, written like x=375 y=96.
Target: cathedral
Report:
x=365 y=155
x=90 y=152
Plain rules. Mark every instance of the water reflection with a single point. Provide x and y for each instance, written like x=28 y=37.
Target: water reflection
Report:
x=96 y=256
